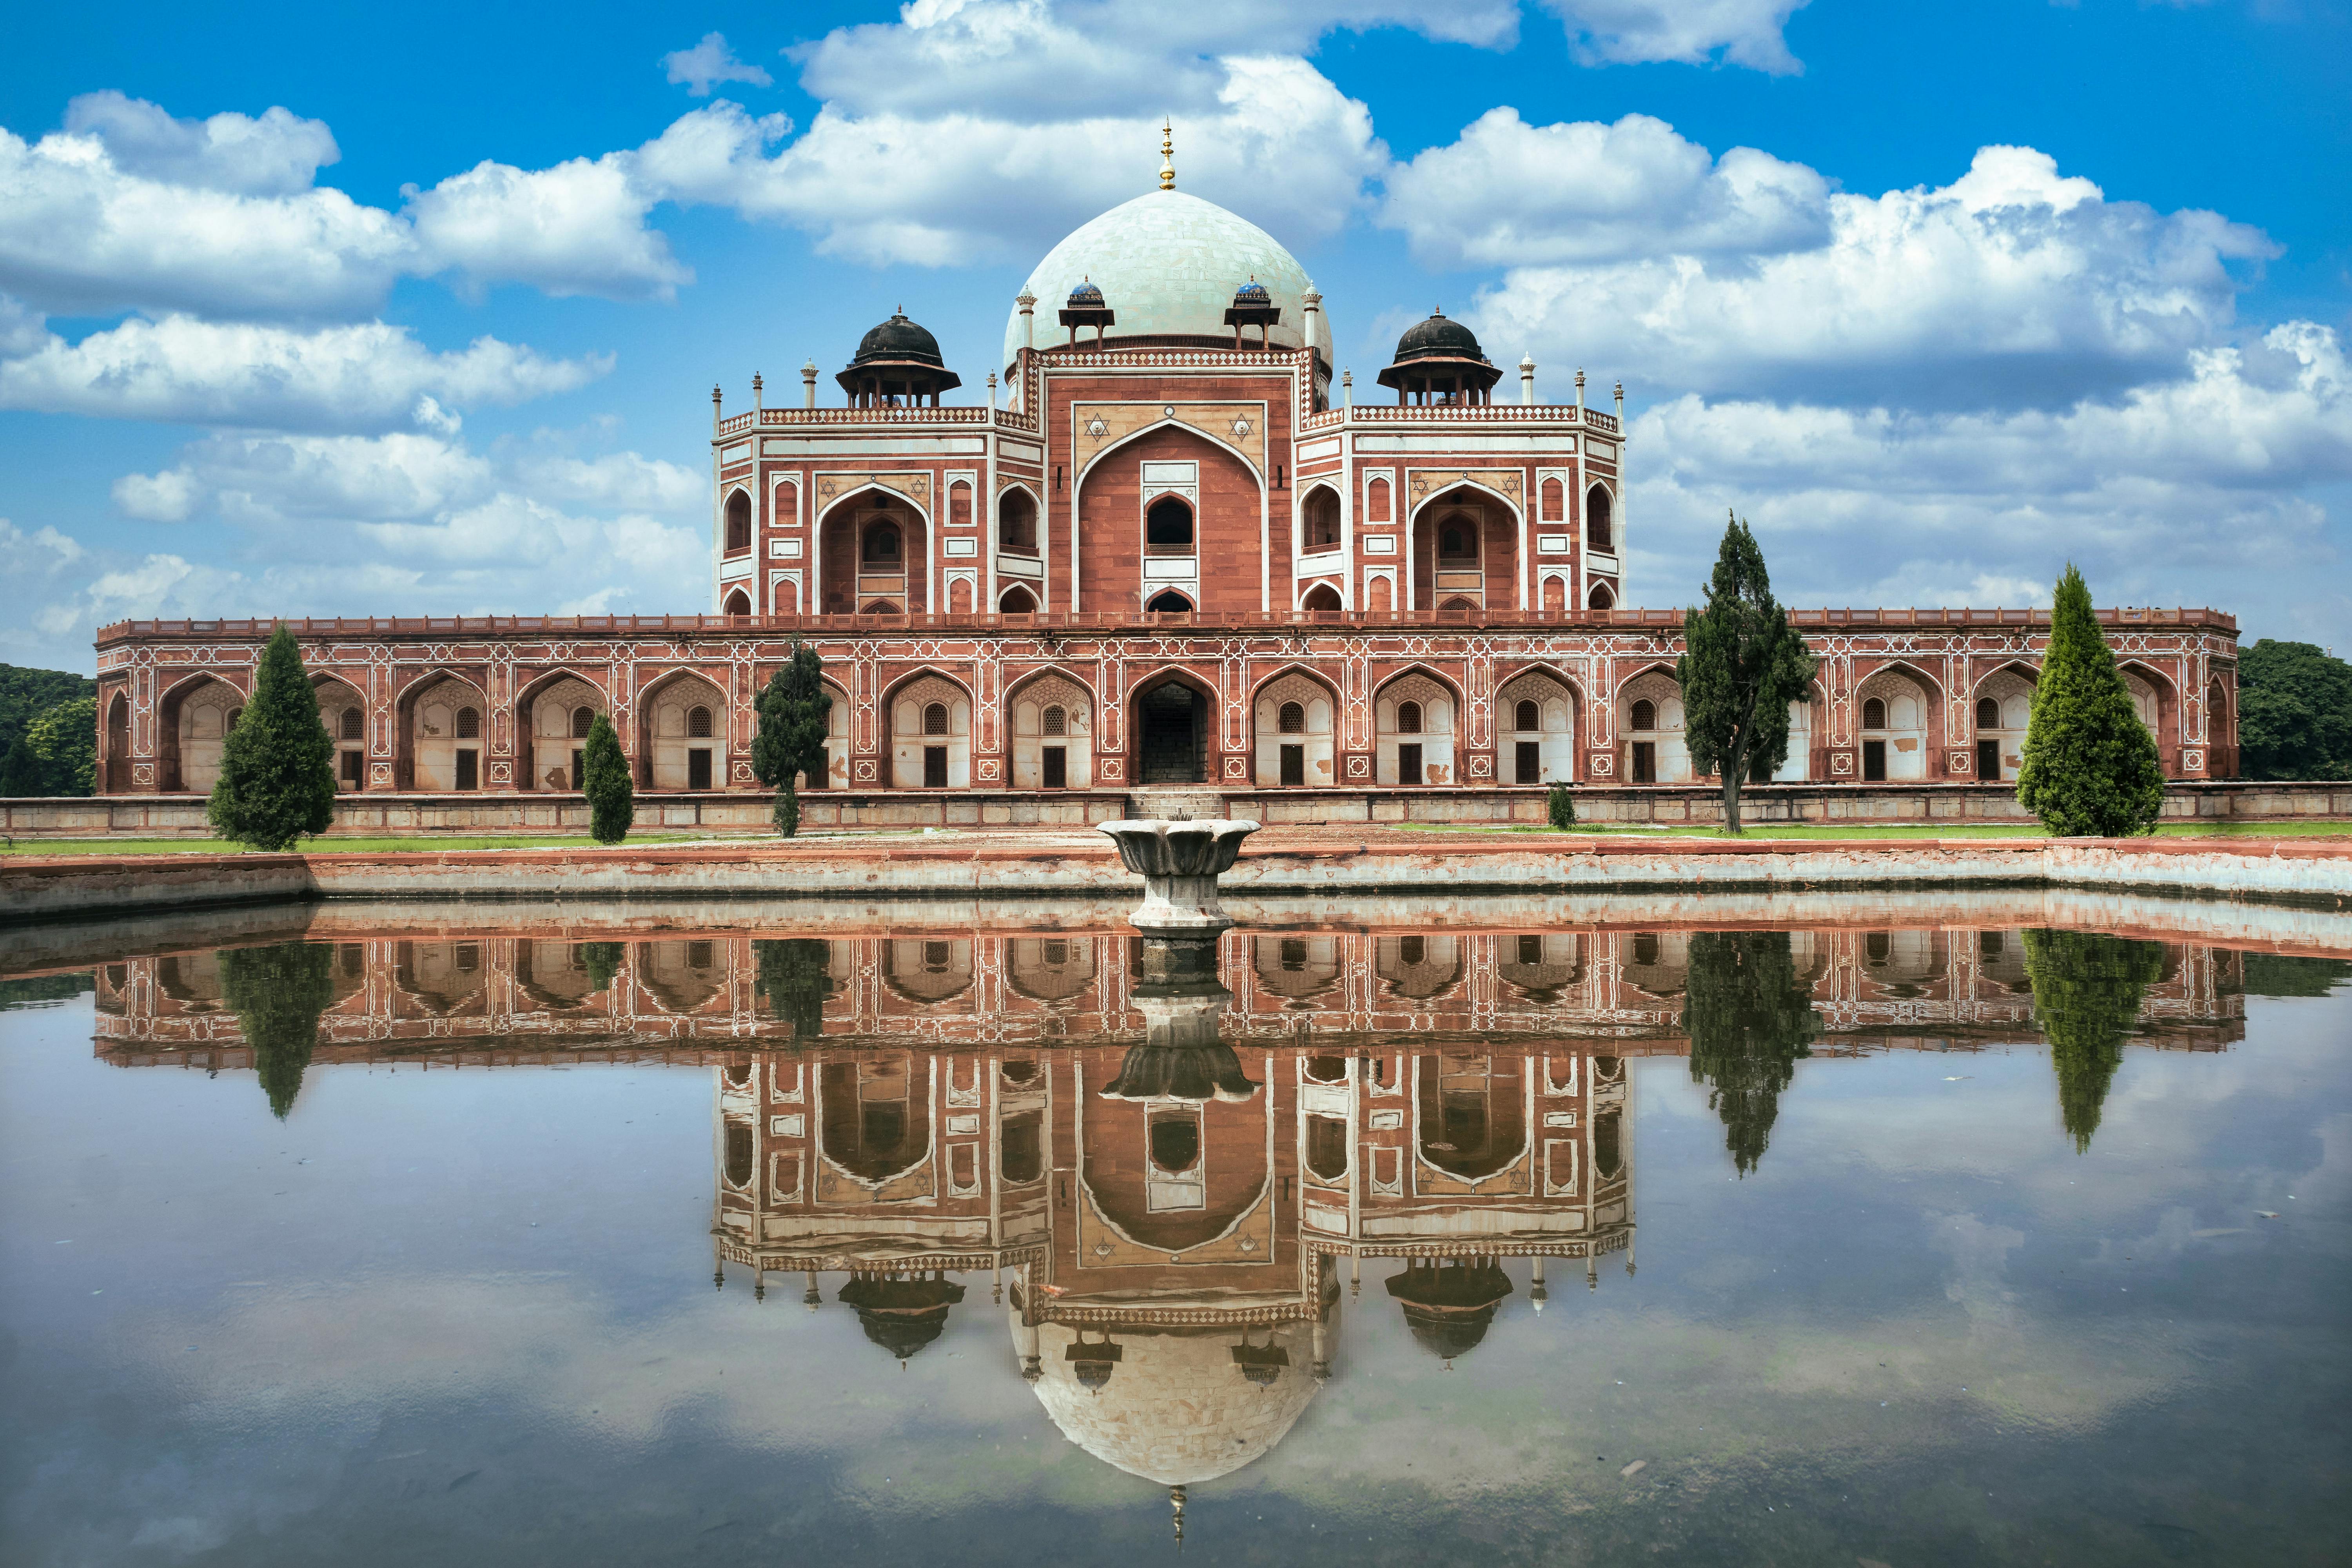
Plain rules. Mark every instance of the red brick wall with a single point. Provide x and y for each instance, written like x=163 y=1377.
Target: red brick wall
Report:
x=1112 y=525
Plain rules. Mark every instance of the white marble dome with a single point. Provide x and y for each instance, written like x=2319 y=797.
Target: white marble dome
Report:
x=1168 y=263
x=1177 y=1410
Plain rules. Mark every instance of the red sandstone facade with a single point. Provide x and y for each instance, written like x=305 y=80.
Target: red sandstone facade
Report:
x=1167 y=559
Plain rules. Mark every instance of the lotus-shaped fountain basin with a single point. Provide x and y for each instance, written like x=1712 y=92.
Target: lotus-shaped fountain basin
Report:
x=1179 y=863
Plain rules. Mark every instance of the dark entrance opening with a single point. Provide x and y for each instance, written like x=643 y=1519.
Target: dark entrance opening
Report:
x=1989 y=762
x=1057 y=767
x=469 y=769
x=1173 y=723
x=1874 y=762
x=1527 y=762
x=1409 y=768
x=351 y=774
x=1645 y=761
x=698 y=768
x=1294 y=765
x=935 y=767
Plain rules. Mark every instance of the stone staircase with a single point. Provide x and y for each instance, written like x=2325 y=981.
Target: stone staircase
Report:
x=1176 y=803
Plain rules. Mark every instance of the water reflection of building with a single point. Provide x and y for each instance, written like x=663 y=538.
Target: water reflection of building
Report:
x=495 y=996
x=1167 y=1225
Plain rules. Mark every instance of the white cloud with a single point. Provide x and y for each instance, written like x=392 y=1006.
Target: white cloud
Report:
x=1507 y=193
x=2011 y=285
x=576 y=228
x=2198 y=488
x=709 y=63
x=367 y=377
x=1024 y=59
x=1691 y=32
x=278 y=154
x=1282 y=146
x=84 y=232
x=617 y=480
x=167 y=497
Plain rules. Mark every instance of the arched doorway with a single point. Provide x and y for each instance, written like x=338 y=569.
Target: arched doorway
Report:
x=686 y=734
x=930 y=735
x=1052 y=735
x=1413 y=728
x=117 y=744
x=1536 y=714
x=1171 y=729
x=1018 y=600
x=1321 y=599
x=1296 y=728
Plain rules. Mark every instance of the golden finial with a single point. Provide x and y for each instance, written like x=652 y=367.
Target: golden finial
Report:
x=1167 y=154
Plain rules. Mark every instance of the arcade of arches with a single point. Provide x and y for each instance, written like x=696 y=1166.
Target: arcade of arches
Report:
x=1311 y=723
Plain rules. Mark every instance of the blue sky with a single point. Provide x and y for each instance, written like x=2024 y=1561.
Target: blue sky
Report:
x=351 y=310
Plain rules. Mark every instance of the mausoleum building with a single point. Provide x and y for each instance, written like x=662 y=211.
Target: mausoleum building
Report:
x=1170 y=543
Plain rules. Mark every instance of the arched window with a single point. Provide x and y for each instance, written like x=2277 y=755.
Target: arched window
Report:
x=470 y=724
x=1988 y=714
x=1874 y=713
x=960 y=505
x=698 y=723
x=1055 y=721
x=742 y=1148
x=882 y=544
x=1601 y=598
x=1453 y=542
x=1554 y=500
x=1169 y=602
x=935 y=719
x=1168 y=527
x=1322 y=520
x=353 y=725
x=1527 y=715
x=1018 y=600
x=1408 y=718
x=739 y=522
x=1598 y=534
x=1376 y=502
x=583 y=720
x=1293 y=718
x=1016 y=523
x=1645 y=714
x=739 y=603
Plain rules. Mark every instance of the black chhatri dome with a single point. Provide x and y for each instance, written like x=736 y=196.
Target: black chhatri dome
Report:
x=1438 y=338
x=898 y=341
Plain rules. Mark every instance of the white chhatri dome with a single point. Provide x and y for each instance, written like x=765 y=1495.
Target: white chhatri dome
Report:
x=1168 y=263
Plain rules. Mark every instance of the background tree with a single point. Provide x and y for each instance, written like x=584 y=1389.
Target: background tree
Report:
x=2087 y=995
x=605 y=779
x=57 y=754
x=792 y=709
x=795 y=975
x=1750 y=1019
x=277 y=765
x=26 y=694
x=278 y=994
x=1743 y=665
x=2090 y=767
x=2295 y=712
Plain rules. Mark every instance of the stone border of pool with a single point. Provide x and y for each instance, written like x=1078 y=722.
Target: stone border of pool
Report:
x=1064 y=864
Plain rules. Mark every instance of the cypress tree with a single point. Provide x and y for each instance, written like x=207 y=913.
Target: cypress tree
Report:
x=1751 y=1019
x=2090 y=767
x=1743 y=664
x=795 y=975
x=792 y=709
x=605 y=779
x=602 y=960
x=278 y=994
x=277 y=766
x=2087 y=995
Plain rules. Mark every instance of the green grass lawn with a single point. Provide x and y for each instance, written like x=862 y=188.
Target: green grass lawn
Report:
x=1897 y=830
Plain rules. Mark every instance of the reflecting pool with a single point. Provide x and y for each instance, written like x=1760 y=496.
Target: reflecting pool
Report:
x=439 y=1235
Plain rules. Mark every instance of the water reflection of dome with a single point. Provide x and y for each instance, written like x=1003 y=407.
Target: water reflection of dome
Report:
x=1178 y=1406
x=901 y=1315
x=1449 y=1305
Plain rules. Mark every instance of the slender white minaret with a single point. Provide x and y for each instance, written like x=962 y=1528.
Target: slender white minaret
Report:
x=992 y=391
x=1580 y=392
x=1028 y=303
x=1528 y=379
x=1346 y=389
x=756 y=396
x=808 y=383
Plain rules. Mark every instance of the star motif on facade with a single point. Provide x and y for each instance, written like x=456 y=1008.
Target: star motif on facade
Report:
x=1097 y=428
x=1241 y=427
